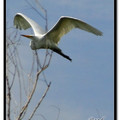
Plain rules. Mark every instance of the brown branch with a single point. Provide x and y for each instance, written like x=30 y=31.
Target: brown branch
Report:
x=9 y=98
x=40 y=101
x=21 y=115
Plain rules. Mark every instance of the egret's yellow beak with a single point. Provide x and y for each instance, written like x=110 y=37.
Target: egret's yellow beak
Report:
x=28 y=36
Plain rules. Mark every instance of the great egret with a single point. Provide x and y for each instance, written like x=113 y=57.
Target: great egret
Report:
x=50 y=39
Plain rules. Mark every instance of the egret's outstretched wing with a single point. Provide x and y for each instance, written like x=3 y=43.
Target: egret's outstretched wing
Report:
x=65 y=24
x=23 y=22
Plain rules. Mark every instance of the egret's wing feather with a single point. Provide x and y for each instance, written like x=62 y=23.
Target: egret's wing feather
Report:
x=65 y=24
x=23 y=22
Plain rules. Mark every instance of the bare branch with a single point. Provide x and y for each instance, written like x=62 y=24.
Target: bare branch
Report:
x=21 y=115
x=40 y=101
x=16 y=71
x=9 y=98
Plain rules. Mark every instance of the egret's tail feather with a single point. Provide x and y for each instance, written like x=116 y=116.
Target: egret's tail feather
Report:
x=59 y=51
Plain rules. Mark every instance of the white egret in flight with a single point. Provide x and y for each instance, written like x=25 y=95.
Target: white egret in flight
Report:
x=50 y=39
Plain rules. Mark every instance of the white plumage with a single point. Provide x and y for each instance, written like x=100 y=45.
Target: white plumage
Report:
x=50 y=39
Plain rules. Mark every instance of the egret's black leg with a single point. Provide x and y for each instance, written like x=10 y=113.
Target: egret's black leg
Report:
x=59 y=51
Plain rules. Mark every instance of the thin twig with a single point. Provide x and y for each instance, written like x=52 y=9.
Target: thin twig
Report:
x=43 y=117
x=35 y=9
x=21 y=115
x=40 y=101
x=38 y=61
x=58 y=111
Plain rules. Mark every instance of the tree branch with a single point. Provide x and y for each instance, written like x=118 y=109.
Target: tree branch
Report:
x=21 y=115
x=9 y=98
x=40 y=101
